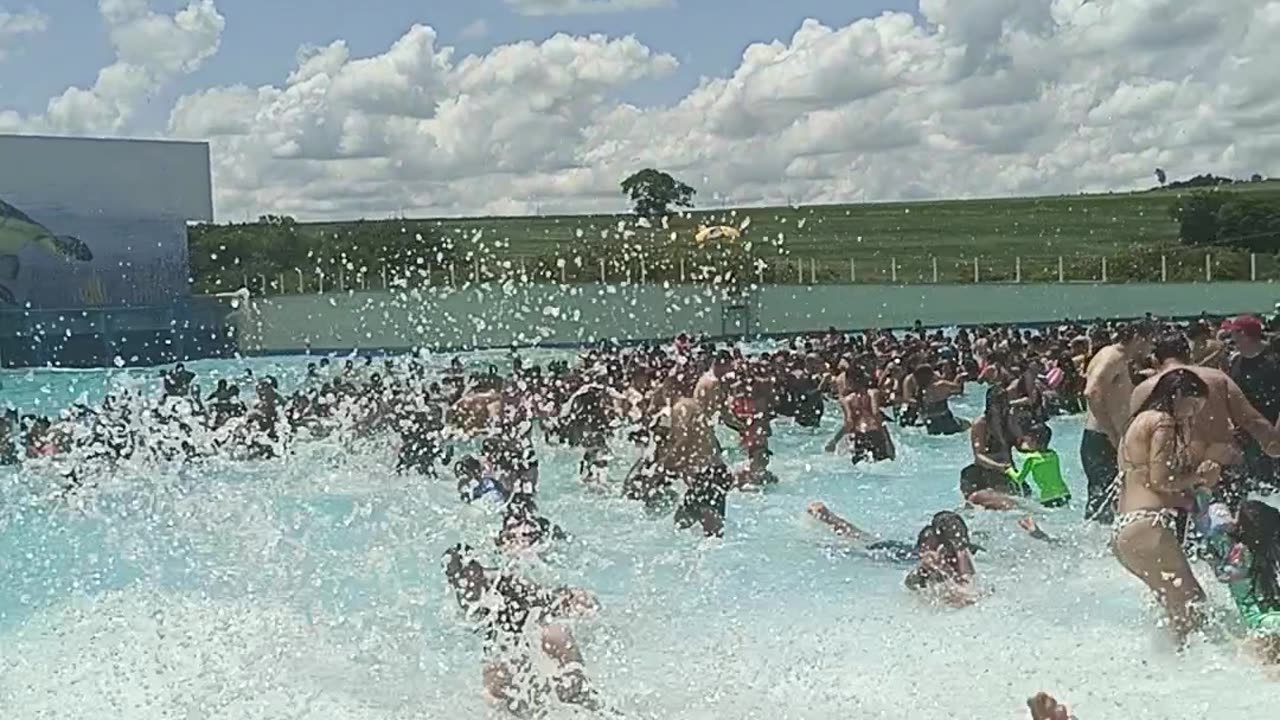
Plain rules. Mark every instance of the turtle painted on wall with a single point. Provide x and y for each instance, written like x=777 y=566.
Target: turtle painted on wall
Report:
x=17 y=230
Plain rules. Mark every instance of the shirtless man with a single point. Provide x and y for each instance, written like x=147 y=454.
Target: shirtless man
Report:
x=1108 y=387
x=862 y=419
x=1226 y=410
x=692 y=454
x=710 y=392
x=472 y=413
x=1206 y=350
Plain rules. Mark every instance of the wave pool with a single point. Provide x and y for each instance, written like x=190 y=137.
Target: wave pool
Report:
x=310 y=587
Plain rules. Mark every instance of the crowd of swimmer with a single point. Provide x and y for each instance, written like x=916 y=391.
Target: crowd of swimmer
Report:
x=1173 y=447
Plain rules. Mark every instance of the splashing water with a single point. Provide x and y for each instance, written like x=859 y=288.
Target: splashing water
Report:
x=310 y=587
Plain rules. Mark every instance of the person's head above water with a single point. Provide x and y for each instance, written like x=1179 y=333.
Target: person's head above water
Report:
x=924 y=374
x=1136 y=337
x=463 y=570
x=1039 y=436
x=1172 y=345
x=1179 y=392
x=952 y=529
x=1258 y=528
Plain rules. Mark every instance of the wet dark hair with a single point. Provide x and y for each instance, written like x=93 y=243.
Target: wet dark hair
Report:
x=1040 y=434
x=924 y=373
x=467 y=465
x=951 y=529
x=857 y=376
x=1171 y=386
x=457 y=559
x=1172 y=345
x=1139 y=329
x=995 y=395
x=1258 y=527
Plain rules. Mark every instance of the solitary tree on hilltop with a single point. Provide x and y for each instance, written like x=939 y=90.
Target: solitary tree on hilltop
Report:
x=1160 y=176
x=653 y=192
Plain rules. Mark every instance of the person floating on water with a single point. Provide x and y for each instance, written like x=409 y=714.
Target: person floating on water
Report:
x=942 y=553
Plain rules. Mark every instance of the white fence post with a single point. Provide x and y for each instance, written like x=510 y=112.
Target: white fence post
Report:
x=1017 y=269
x=342 y=279
x=319 y=281
x=1104 y=269
x=602 y=273
x=1208 y=267
x=935 y=270
x=853 y=271
x=800 y=269
x=975 y=271
x=384 y=277
x=1062 y=271
x=453 y=275
x=301 y=283
x=564 y=273
x=813 y=270
x=893 y=269
x=1253 y=267
x=644 y=272
x=681 y=269
x=1164 y=268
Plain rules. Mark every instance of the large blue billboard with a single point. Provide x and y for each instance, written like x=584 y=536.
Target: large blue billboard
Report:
x=97 y=223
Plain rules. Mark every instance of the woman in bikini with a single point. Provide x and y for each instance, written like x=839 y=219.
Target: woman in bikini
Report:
x=992 y=437
x=930 y=394
x=1160 y=467
x=863 y=421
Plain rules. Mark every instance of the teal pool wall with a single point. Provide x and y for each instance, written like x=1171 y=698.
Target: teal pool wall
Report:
x=551 y=315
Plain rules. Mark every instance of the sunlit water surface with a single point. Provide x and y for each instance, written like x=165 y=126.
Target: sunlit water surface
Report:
x=310 y=587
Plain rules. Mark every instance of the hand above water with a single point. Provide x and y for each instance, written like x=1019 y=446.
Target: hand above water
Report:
x=1044 y=707
x=1210 y=472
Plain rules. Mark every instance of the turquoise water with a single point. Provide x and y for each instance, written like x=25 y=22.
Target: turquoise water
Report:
x=310 y=588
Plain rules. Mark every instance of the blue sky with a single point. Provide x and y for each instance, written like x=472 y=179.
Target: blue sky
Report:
x=262 y=37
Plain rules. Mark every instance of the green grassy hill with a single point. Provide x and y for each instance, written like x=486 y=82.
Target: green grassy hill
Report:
x=1131 y=230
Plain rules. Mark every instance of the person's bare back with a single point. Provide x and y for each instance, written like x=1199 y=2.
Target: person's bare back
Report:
x=861 y=411
x=692 y=446
x=1108 y=388
x=1226 y=410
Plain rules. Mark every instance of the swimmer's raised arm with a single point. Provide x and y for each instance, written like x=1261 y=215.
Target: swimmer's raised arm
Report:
x=1044 y=707
x=842 y=527
x=1028 y=523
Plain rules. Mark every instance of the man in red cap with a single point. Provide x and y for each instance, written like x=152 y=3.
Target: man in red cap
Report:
x=1257 y=371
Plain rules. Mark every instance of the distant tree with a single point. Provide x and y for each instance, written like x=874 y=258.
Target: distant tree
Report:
x=653 y=193
x=1161 y=177
x=1197 y=217
x=1250 y=223
x=1228 y=219
x=1256 y=178
x=1199 y=181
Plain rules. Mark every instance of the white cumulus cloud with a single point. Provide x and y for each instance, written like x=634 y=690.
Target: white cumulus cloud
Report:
x=23 y=22
x=967 y=98
x=583 y=7
x=151 y=49
x=962 y=98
